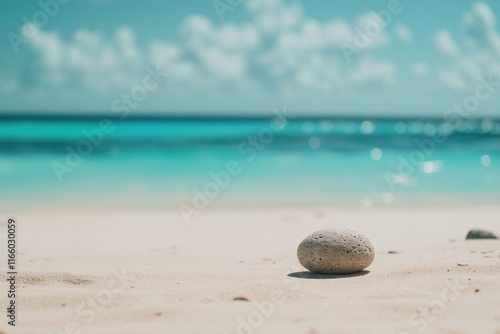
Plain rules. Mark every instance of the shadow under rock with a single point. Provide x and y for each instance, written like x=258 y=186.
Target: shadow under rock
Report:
x=311 y=275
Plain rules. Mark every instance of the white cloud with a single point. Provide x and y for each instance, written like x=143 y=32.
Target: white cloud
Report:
x=337 y=31
x=445 y=43
x=453 y=79
x=222 y=52
x=371 y=71
x=372 y=23
x=275 y=16
x=480 y=32
x=88 y=60
x=280 y=48
x=477 y=54
x=420 y=68
x=403 y=33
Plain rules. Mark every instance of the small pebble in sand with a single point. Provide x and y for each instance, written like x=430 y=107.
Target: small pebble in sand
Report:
x=476 y=291
x=241 y=298
x=462 y=264
x=480 y=234
x=333 y=251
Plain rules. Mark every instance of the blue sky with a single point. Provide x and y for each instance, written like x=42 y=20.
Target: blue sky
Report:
x=256 y=56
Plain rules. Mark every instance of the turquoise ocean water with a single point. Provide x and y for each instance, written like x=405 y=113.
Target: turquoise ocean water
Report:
x=155 y=164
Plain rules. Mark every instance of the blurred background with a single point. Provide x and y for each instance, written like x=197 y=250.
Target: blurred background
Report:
x=194 y=105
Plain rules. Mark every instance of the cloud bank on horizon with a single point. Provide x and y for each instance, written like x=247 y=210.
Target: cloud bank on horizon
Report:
x=278 y=56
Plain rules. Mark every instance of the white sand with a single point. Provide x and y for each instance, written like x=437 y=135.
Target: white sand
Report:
x=182 y=278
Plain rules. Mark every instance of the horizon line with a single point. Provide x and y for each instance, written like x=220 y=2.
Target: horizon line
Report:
x=189 y=116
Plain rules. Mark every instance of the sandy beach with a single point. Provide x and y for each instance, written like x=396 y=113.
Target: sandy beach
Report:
x=237 y=272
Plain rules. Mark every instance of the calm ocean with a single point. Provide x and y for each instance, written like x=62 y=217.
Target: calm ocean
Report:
x=249 y=163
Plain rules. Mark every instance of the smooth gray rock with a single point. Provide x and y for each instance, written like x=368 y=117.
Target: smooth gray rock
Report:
x=333 y=251
x=480 y=234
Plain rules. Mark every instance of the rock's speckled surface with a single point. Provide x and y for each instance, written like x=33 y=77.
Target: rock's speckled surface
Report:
x=333 y=251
